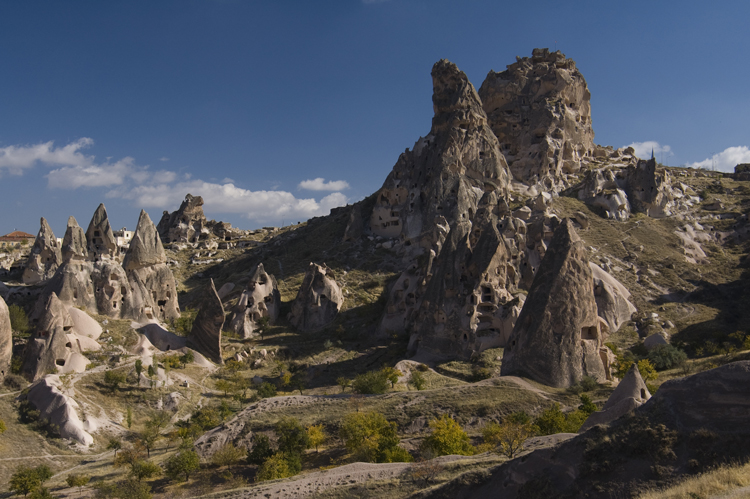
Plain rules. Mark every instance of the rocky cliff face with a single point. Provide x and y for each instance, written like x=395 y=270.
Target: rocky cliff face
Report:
x=100 y=240
x=186 y=225
x=6 y=340
x=44 y=258
x=540 y=111
x=46 y=350
x=261 y=298
x=318 y=300
x=205 y=337
x=557 y=339
x=74 y=242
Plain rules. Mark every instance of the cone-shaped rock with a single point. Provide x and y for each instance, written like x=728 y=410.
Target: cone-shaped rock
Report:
x=100 y=240
x=45 y=256
x=261 y=298
x=631 y=393
x=74 y=242
x=46 y=350
x=152 y=286
x=186 y=225
x=205 y=337
x=318 y=301
x=6 y=340
x=557 y=339
x=540 y=111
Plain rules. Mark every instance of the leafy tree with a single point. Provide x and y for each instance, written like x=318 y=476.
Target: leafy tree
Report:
x=262 y=326
x=551 y=420
x=159 y=419
x=519 y=417
x=19 y=321
x=224 y=386
x=79 y=481
x=261 y=450
x=24 y=480
x=187 y=358
x=114 y=444
x=224 y=410
x=182 y=463
x=41 y=493
x=113 y=379
x=228 y=455
x=149 y=437
x=370 y=437
x=448 y=437
x=666 y=357
x=587 y=405
x=266 y=390
x=417 y=380
x=273 y=468
x=129 y=417
x=371 y=382
x=343 y=383
x=391 y=374
x=138 y=370
x=292 y=437
x=511 y=437
x=316 y=435
x=144 y=469
x=2 y=426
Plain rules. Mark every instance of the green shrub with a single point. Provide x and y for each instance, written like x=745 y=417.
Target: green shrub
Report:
x=182 y=463
x=266 y=390
x=417 y=380
x=19 y=321
x=666 y=357
x=371 y=382
x=448 y=437
x=423 y=367
x=273 y=468
x=261 y=450
x=292 y=436
x=372 y=438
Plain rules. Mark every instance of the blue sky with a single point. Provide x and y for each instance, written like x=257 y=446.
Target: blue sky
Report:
x=275 y=111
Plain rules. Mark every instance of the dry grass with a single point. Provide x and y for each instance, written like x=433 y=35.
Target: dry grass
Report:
x=721 y=481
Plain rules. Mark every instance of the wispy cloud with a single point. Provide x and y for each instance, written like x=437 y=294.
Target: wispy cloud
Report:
x=643 y=149
x=16 y=159
x=726 y=160
x=319 y=184
x=164 y=158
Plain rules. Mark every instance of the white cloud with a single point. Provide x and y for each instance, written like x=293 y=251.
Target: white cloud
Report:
x=16 y=159
x=164 y=159
x=319 y=184
x=643 y=149
x=73 y=177
x=726 y=160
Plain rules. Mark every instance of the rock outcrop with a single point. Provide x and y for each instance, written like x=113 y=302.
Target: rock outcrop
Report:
x=630 y=394
x=101 y=242
x=74 y=242
x=557 y=339
x=6 y=340
x=205 y=337
x=612 y=299
x=44 y=258
x=261 y=298
x=186 y=225
x=539 y=108
x=318 y=300
x=59 y=409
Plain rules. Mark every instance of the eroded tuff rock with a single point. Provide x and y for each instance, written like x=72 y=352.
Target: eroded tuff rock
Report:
x=55 y=345
x=101 y=242
x=6 y=340
x=153 y=288
x=186 y=225
x=261 y=298
x=630 y=394
x=539 y=108
x=44 y=258
x=97 y=282
x=448 y=171
x=205 y=337
x=612 y=299
x=59 y=409
x=318 y=300
x=557 y=339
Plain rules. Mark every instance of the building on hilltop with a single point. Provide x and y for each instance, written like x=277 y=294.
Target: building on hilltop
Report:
x=16 y=238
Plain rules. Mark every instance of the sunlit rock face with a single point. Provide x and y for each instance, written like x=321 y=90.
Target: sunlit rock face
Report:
x=260 y=298
x=318 y=300
x=539 y=108
x=45 y=256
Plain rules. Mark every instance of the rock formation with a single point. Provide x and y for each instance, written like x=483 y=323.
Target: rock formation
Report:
x=318 y=300
x=261 y=298
x=101 y=242
x=151 y=280
x=44 y=258
x=186 y=225
x=59 y=409
x=55 y=345
x=539 y=108
x=557 y=339
x=612 y=299
x=6 y=340
x=205 y=337
x=630 y=394
x=74 y=242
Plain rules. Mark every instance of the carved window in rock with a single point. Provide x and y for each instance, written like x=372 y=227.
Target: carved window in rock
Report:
x=487 y=294
x=643 y=393
x=589 y=333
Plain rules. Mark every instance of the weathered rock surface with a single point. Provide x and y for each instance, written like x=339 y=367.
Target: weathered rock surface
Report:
x=630 y=394
x=44 y=258
x=101 y=242
x=612 y=299
x=261 y=298
x=557 y=339
x=205 y=337
x=355 y=226
x=186 y=225
x=6 y=340
x=540 y=111
x=318 y=300
x=59 y=409
x=74 y=242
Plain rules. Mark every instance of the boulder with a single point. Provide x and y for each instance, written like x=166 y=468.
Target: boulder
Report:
x=100 y=241
x=59 y=409
x=630 y=394
x=44 y=258
x=318 y=300
x=539 y=108
x=654 y=340
x=557 y=339
x=186 y=225
x=261 y=298
x=6 y=340
x=612 y=298
x=205 y=337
